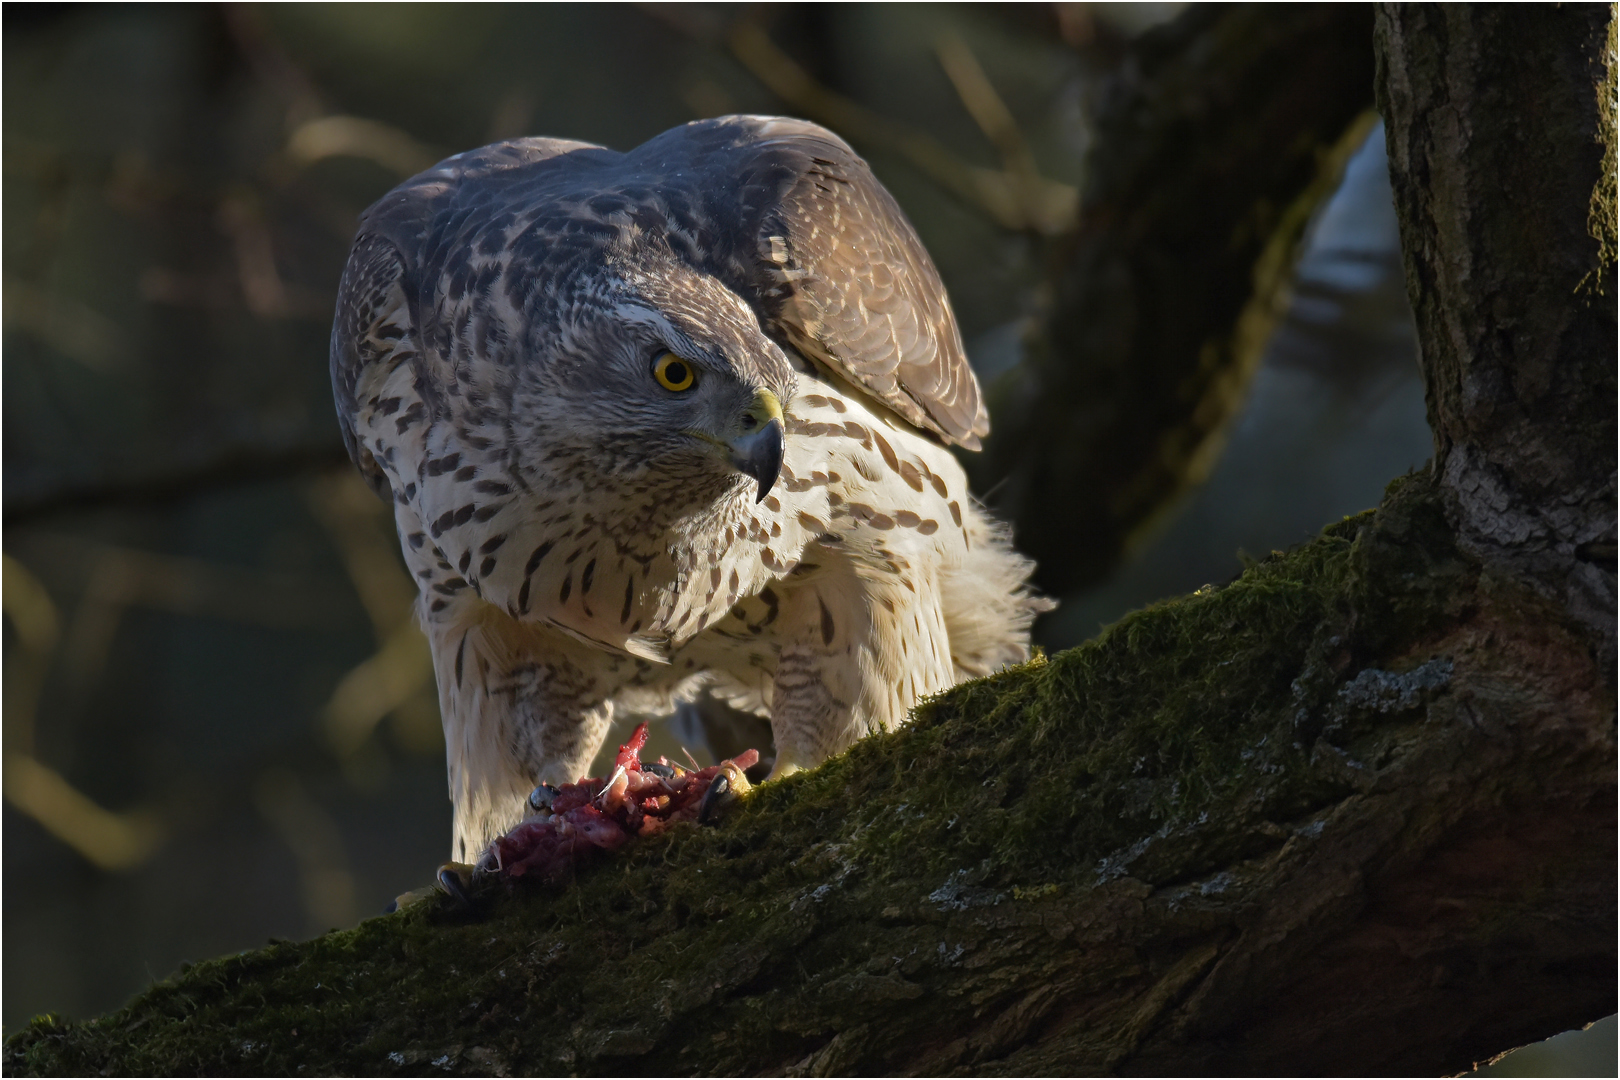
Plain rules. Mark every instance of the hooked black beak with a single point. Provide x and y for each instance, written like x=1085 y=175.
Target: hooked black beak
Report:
x=760 y=455
x=758 y=451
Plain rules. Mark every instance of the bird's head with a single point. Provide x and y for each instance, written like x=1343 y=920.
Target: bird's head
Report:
x=664 y=381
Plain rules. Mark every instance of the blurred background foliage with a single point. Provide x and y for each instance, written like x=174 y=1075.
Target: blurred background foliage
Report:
x=219 y=719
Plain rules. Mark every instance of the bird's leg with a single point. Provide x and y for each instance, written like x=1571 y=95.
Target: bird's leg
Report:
x=861 y=648
x=818 y=704
x=783 y=769
x=522 y=706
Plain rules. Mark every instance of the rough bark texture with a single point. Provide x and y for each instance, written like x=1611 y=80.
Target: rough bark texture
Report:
x=1353 y=813
x=1219 y=136
x=1502 y=161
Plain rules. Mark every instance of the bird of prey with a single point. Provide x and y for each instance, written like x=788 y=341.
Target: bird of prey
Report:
x=666 y=419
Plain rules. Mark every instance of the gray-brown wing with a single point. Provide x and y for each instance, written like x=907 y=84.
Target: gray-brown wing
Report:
x=414 y=244
x=840 y=271
x=782 y=210
x=371 y=318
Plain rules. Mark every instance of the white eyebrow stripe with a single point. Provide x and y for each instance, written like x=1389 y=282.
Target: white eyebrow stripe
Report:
x=632 y=313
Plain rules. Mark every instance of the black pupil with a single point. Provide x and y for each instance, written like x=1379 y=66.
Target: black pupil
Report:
x=675 y=373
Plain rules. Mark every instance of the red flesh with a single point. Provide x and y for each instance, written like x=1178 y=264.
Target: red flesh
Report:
x=591 y=816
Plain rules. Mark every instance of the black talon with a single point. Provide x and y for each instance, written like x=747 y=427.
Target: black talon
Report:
x=450 y=881
x=713 y=799
x=656 y=769
x=542 y=797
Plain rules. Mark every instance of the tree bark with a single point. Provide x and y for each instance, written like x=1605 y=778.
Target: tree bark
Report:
x=1502 y=162
x=1353 y=813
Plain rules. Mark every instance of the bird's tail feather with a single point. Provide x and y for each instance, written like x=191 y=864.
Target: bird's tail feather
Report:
x=988 y=602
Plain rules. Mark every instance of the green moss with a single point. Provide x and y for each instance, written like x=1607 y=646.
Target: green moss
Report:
x=1603 y=208
x=1171 y=745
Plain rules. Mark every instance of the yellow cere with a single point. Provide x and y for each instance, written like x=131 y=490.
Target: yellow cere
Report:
x=673 y=373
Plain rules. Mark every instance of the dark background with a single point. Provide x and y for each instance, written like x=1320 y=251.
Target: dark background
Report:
x=219 y=722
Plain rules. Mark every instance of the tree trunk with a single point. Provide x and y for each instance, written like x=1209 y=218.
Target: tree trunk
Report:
x=1353 y=813
x=1502 y=162
x=1217 y=139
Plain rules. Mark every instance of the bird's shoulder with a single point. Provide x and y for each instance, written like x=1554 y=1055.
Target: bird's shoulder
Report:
x=788 y=215
x=782 y=211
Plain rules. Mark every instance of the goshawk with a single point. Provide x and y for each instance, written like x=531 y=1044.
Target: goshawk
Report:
x=665 y=419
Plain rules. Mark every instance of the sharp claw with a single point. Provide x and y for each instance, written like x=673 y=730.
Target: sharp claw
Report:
x=450 y=880
x=724 y=790
x=719 y=789
x=540 y=798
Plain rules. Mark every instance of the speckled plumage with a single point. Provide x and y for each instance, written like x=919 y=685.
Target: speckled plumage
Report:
x=580 y=544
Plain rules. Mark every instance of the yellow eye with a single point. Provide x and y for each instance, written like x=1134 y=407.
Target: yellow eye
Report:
x=673 y=373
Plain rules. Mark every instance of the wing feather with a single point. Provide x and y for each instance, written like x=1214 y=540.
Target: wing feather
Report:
x=835 y=265
x=781 y=210
x=373 y=318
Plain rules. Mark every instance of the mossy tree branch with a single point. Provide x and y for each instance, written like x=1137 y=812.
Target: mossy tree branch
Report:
x=1354 y=812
